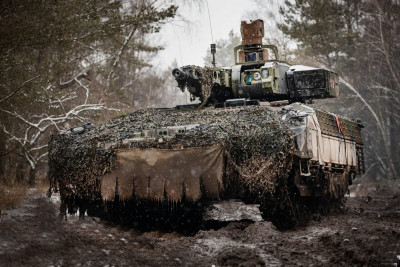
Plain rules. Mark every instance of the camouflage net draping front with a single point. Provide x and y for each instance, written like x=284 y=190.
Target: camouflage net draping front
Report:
x=257 y=145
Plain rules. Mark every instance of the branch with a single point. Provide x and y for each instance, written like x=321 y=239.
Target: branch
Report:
x=13 y=137
x=386 y=52
x=30 y=160
x=66 y=84
x=18 y=89
x=362 y=100
x=20 y=118
x=87 y=90
x=118 y=56
x=43 y=155
x=378 y=122
x=38 y=148
x=386 y=89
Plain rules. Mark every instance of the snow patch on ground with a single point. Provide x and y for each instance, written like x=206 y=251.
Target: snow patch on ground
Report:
x=211 y=247
x=55 y=198
x=233 y=210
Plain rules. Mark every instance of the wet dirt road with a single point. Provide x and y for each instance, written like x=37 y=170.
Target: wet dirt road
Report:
x=367 y=234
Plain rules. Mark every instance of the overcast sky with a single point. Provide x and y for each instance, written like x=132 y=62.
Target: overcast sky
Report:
x=187 y=42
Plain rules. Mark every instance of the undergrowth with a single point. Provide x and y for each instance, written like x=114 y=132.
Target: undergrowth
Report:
x=11 y=196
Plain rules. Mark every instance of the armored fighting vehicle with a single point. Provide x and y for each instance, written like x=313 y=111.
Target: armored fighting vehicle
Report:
x=251 y=137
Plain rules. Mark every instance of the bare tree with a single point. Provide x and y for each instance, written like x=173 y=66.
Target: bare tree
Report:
x=66 y=63
x=33 y=130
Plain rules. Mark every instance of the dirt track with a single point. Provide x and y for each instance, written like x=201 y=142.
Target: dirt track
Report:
x=367 y=234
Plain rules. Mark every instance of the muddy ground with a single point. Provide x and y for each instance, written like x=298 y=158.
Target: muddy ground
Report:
x=368 y=233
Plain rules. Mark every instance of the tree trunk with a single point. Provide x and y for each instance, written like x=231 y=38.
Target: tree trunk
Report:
x=32 y=177
x=19 y=172
x=2 y=159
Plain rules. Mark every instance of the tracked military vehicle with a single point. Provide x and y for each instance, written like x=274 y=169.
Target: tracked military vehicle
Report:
x=251 y=137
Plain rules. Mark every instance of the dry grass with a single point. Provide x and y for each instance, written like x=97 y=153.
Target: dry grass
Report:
x=11 y=196
x=42 y=186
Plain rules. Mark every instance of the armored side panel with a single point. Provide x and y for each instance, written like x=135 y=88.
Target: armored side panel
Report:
x=281 y=79
x=327 y=139
x=329 y=151
x=307 y=82
x=337 y=132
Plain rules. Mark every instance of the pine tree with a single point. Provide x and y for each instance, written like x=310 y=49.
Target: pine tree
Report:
x=359 y=40
x=65 y=61
x=323 y=28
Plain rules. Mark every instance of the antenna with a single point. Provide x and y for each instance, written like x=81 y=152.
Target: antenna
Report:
x=213 y=49
x=209 y=19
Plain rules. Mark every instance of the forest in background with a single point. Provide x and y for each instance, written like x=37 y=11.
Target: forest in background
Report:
x=360 y=40
x=72 y=62
x=67 y=63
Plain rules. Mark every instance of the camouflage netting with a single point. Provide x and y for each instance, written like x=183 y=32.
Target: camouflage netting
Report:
x=205 y=75
x=257 y=145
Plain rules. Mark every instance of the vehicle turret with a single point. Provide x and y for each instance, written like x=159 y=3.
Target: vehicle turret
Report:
x=258 y=74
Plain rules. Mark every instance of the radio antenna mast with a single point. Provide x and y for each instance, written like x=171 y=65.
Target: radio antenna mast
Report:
x=213 y=47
